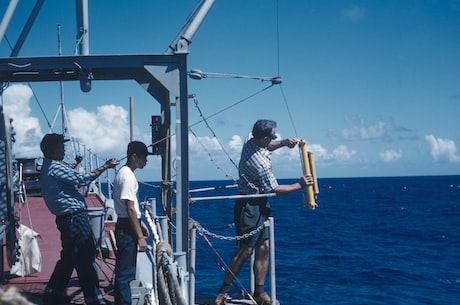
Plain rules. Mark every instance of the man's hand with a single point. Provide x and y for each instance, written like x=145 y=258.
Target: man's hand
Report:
x=306 y=181
x=142 y=245
x=111 y=163
x=289 y=142
x=144 y=229
x=78 y=159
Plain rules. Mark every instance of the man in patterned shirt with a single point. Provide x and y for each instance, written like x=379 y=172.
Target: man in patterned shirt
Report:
x=256 y=177
x=60 y=188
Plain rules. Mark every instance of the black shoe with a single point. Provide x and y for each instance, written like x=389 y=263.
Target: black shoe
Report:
x=55 y=299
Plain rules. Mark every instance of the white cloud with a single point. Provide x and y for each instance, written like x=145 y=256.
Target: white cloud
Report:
x=16 y=104
x=206 y=143
x=340 y=153
x=236 y=143
x=385 y=130
x=390 y=155
x=105 y=132
x=207 y=157
x=376 y=131
x=442 y=149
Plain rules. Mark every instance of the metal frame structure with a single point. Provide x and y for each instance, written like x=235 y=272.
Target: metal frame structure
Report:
x=159 y=75
x=162 y=76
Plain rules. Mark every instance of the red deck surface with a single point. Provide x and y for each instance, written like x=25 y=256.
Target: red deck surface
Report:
x=43 y=222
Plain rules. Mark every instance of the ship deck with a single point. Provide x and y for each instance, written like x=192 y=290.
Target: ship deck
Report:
x=43 y=222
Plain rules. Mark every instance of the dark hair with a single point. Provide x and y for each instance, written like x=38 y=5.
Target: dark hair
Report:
x=138 y=148
x=264 y=128
x=50 y=142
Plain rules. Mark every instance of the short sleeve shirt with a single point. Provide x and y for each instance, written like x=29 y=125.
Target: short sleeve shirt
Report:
x=60 y=187
x=255 y=170
x=125 y=188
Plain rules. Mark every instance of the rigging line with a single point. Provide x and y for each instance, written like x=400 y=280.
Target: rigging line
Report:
x=66 y=130
x=231 y=160
x=289 y=111
x=218 y=112
x=278 y=62
x=227 y=174
x=222 y=264
x=277 y=37
x=232 y=105
x=33 y=92
x=150 y=185
x=64 y=116
x=39 y=105
x=223 y=148
x=213 y=133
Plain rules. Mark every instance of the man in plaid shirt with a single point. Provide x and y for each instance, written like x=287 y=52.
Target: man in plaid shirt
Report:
x=256 y=177
x=60 y=187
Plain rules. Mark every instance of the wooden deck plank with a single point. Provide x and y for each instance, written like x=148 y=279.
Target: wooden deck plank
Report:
x=33 y=285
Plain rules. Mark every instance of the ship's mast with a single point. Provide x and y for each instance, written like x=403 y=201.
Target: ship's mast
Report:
x=61 y=85
x=82 y=46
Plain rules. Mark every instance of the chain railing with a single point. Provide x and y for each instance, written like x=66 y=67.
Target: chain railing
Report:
x=203 y=230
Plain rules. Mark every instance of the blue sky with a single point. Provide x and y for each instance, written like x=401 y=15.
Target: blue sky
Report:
x=373 y=86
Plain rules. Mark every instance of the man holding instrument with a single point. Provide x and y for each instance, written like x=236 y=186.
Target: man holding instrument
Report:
x=61 y=191
x=256 y=177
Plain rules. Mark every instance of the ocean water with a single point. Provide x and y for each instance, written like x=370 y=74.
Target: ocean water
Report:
x=371 y=241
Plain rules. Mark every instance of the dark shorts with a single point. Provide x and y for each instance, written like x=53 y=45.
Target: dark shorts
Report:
x=250 y=214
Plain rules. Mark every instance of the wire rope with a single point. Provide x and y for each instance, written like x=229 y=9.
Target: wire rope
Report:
x=30 y=86
x=277 y=37
x=220 y=262
x=231 y=105
x=278 y=59
x=211 y=158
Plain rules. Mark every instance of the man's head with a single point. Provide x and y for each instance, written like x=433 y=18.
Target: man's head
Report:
x=137 y=154
x=264 y=129
x=52 y=146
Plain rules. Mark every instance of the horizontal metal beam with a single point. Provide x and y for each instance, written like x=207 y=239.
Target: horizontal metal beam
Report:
x=98 y=67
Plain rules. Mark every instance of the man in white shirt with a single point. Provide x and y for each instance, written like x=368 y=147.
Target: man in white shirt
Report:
x=130 y=231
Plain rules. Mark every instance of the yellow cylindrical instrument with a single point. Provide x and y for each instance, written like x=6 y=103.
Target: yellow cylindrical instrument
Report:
x=308 y=166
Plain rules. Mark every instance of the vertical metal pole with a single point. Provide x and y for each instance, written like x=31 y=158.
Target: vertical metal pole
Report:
x=90 y=157
x=164 y=227
x=182 y=212
x=61 y=86
x=252 y=280
x=131 y=118
x=99 y=190
x=192 y=266
x=85 y=166
x=82 y=28
x=153 y=206
x=272 y=262
x=182 y=185
x=109 y=188
x=181 y=259
x=166 y=188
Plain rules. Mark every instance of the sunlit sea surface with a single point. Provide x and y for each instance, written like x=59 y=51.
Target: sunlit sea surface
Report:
x=371 y=241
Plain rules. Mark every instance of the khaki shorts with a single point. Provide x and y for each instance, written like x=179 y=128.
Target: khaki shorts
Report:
x=250 y=214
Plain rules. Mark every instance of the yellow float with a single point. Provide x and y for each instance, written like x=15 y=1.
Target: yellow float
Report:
x=308 y=165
